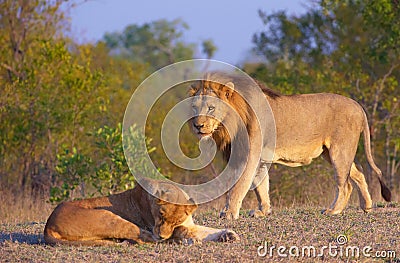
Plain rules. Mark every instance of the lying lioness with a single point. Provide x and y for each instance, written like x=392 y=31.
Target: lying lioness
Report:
x=134 y=216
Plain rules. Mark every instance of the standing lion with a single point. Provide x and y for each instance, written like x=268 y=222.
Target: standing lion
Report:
x=307 y=126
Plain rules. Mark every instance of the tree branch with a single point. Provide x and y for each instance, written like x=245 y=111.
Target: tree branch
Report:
x=10 y=69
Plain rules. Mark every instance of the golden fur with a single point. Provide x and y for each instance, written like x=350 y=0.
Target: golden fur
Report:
x=307 y=126
x=134 y=216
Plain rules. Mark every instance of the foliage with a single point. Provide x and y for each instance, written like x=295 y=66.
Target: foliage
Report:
x=208 y=48
x=54 y=92
x=48 y=93
x=73 y=169
x=113 y=174
x=158 y=43
x=77 y=171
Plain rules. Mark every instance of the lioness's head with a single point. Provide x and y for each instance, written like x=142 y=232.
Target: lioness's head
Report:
x=168 y=216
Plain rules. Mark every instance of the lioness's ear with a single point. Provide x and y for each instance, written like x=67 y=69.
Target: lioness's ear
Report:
x=193 y=206
x=229 y=91
x=190 y=209
x=160 y=194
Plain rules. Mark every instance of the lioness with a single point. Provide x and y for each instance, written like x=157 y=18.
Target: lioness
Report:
x=307 y=126
x=134 y=216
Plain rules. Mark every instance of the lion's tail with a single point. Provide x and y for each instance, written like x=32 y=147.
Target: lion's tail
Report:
x=385 y=191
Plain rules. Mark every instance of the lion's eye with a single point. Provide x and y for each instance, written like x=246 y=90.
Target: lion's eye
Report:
x=211 y=108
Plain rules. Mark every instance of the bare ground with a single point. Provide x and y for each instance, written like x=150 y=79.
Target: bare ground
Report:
x=297 y=230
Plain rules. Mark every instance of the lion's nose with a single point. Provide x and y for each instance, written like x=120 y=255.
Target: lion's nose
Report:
x=198 y=126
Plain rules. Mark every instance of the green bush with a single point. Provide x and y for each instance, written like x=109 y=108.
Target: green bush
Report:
x=105 y=171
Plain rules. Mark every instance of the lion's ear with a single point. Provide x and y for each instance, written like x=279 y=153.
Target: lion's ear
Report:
x=230 y=85
x=229 y=90
x=193 y=89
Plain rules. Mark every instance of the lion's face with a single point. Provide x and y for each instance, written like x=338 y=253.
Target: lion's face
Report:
x=210 y=107
x=169 y=216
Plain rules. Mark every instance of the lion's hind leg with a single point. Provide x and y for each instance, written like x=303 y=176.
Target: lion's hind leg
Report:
x=362 y=188
x=261 y=189
x=341 y=161
x=72 y=224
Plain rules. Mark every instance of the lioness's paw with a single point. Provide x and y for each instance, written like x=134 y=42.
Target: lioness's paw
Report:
x=258 y=213
x=147 y=237
x=187 y=241
x=228 y=236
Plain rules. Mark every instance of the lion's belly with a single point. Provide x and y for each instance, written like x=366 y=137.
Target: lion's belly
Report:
x=301 y=134
x=297 y=156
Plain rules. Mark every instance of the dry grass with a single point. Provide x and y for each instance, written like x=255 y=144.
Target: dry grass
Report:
x=287 y=227
x=22 y=222
x=19 y=206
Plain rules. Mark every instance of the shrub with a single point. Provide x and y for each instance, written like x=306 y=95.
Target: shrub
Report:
x=106 y=170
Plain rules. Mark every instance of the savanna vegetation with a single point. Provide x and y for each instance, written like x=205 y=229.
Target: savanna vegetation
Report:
x=62 y=102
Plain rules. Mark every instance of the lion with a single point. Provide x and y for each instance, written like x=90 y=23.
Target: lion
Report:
x=307 y=126
x=133 y=216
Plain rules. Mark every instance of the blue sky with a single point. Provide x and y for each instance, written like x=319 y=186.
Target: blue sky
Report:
x=230 y=24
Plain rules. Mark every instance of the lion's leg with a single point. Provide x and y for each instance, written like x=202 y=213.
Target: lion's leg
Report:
x=341 y=162
x=74 y=223
x=197 y=233
x=362 y=188
x=236 y=194
x=249 y=159
x=343 y=192
x=261 y=188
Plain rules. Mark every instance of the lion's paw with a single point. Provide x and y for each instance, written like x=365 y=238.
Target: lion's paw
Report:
x=324 y=212
x=367 y=210
x=228 y=236
x=258 y=213
x=330 y=212
x=227 y=215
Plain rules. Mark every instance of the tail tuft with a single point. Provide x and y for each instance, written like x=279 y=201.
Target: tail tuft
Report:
x=386 y=194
